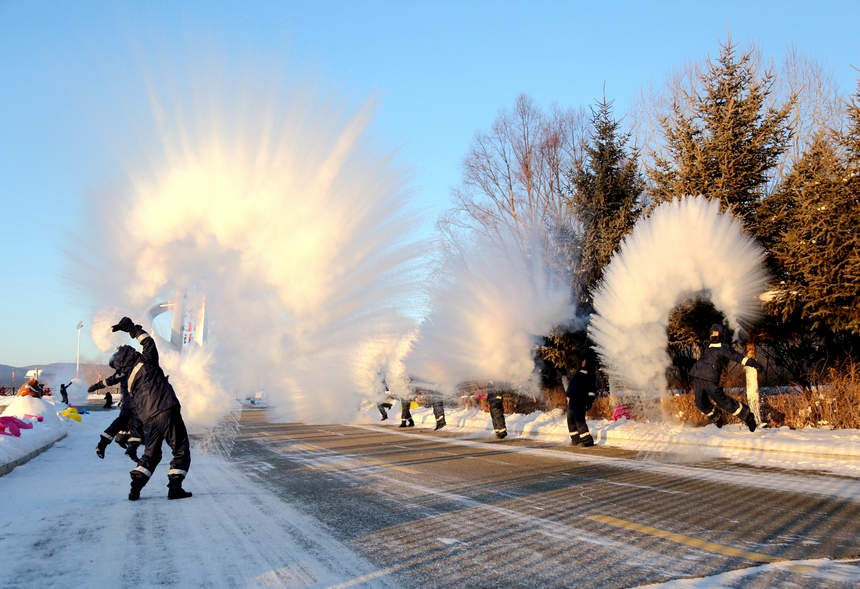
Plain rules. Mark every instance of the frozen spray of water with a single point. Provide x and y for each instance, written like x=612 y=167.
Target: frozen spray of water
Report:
x=687 y=248
x=269 y=195
x=487 y=313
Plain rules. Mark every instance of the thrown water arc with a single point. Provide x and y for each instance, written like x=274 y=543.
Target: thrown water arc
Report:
x=686 y=247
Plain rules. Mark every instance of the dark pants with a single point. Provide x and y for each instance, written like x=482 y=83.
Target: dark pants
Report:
x=405 y=413
x=169 y=427
x=576 y=424
x=126 y=422
x=439 y=412
x=708 y=393
x=382 y=407
x=497 y=414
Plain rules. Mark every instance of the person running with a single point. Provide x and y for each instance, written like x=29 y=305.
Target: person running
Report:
x=711 y=399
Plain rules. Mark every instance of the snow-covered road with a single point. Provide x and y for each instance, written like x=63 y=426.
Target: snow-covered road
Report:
x=67 y=522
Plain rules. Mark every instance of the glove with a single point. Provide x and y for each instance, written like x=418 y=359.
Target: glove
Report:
x=95 y=387
x=754 y=364
x=125 y=324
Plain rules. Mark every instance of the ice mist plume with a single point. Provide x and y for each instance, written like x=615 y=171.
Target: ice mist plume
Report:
x=687 y=248
x=267 y=192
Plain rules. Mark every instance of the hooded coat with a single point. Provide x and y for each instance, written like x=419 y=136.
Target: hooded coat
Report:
x=147 y=384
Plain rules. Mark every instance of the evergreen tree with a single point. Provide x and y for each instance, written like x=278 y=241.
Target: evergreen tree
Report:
x=607 y=193
x=811 y=227
x=722 y=141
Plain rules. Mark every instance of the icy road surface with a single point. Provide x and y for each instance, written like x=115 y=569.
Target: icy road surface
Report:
x=368 y=506
x=67 y=523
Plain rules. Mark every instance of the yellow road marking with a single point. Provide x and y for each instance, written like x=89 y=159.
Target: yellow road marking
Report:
x=688 y=540
x=391 y=466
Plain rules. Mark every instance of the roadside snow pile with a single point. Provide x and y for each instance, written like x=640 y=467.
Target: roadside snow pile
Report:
x=37 y=423
x=834 y=451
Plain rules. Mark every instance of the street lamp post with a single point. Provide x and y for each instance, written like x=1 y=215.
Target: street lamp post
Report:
x=78 y=362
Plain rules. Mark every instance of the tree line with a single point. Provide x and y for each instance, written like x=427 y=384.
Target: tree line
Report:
x=780 y=150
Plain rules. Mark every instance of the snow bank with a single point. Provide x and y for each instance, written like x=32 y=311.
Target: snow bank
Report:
x=835 y=451
x=43 y=433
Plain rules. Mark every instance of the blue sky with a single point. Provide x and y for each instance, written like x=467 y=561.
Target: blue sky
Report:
x=443 y=70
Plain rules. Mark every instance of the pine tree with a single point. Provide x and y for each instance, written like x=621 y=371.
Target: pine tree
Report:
x=722 y=141
x=607 y=193
x=811 y=225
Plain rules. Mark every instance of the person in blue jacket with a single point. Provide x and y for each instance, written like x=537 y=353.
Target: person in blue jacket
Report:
x=711 y=399
x=159 y=411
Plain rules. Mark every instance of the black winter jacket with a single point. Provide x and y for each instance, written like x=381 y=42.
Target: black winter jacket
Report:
x=582 y=388
x=714 y=360
x=148 y=387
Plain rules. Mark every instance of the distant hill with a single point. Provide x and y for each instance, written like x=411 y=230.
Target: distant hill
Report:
x=51 y=373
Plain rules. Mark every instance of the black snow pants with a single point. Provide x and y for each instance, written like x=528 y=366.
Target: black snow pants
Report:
x=127 y=428
x=439 y=411
x=708 y=393
x=405 y=413
x=166 y=426
x=576 y=424
x=382 y=409
x=497 y=414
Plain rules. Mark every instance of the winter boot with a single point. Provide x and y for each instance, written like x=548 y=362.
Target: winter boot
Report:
x=575 y=440
x=103 y=443
x=587 y=441
x=747 y=416
x=502 y=434
x=717 y=417
x=384 y=417
x=440 y=423
x=131 y=451
x=138 y=481
x=402 y=423
x=411 y=423
x=122 y=439
x=175 y=490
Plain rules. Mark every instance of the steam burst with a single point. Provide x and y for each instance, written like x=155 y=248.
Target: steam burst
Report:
x=496 y=299
x=686 y=248
x=270 y=197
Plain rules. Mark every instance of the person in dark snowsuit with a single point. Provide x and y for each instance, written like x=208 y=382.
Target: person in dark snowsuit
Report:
x=126 y=429
x=64 y=393
x=438 y=405
x=497 y=411
x=708 y=370
x=158 y=409
x=108 y=401
x=581 y=393
x=383 y=406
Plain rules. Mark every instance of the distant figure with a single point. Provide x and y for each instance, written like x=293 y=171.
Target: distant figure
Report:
x=64 y=394
x=383 y=406
x=31 y=388
x=708 y=370
x=386 y=402
x=497 y=411
x=108 y=400
x=405 y=413
x=438 y=409
x=581 y=393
